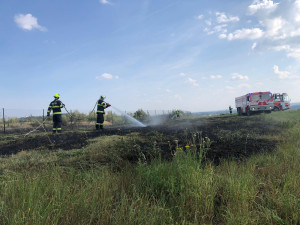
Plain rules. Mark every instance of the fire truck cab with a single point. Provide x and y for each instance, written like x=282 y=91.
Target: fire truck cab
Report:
x=281 y=101
x=254 y=102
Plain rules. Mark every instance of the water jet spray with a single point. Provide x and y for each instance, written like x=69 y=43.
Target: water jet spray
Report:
x=135 y=121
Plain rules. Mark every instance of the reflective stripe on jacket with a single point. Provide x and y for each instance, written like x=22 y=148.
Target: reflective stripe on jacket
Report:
x=55 y=106
x=101 y=106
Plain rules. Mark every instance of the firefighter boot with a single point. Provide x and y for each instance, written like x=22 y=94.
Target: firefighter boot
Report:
x=97 y=127
x=101 y=127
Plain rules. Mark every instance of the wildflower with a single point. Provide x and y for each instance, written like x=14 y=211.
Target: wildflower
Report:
x=178 y=149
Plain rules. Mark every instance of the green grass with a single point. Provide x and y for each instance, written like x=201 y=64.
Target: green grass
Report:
x=97 y=185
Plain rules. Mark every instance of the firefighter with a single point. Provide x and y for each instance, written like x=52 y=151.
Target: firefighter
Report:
x=101 y=105
x=175 y=114
x=230 y=109
x=56 y=106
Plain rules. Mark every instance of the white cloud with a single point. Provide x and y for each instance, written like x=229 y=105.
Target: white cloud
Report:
x=281 y=74
x=106 y=76
x=291 y=52
x=294 y=53
x=222 y=36
x=182 y=74
x=105 y=2
x=295 y=33
x=244 y=33
x=281 y=47
x=216 y=29
x=28 y=22
x=275 y=28
x=282 y=27
x=223 y=18
x=220 y=28
x=273 y=25
x=208 y=31
x=262 y=5
x=215 y=76
x=200 y=17
x=192 y=82
x=297 y=9
x=236 y=76
x=220 y=24
x=297 y=4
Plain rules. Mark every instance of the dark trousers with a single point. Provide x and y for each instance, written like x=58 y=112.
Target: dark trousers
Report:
x=100 y=121
x=57 y=123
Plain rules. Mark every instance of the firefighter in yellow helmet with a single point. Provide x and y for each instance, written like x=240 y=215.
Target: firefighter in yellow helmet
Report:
x=56 y=106
x=101 y=105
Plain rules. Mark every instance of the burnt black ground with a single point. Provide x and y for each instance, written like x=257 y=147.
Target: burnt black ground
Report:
x=231 y=137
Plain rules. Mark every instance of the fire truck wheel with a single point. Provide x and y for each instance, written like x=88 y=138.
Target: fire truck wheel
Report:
x=276 y=109
x=239 y=111
x=248 y=112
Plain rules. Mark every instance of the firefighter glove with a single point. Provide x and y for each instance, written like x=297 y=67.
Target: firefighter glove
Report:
x=48 y=114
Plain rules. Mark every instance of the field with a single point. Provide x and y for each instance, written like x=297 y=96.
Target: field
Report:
x=204 y=170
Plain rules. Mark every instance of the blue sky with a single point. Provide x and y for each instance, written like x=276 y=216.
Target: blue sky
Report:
x=192 y=55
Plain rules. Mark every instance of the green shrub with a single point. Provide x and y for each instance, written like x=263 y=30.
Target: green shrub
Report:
x=141 y=115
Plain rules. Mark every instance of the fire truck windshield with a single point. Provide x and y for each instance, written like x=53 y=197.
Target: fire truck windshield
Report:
x=277 y=97
x=265 y=97
x=261 y=97
x=254 y=97
x=286 y=98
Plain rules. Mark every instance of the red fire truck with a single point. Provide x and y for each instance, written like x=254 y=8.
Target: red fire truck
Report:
x=254 y=102
x=281 y=101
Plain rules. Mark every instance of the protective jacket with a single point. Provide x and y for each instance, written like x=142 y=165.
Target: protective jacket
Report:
x=56 y=106
x=101 y=106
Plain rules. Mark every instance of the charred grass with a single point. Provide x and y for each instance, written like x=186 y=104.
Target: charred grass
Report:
x=230 y=137
x=215 y=170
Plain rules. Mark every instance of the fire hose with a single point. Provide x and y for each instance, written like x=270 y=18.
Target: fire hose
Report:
x=41 y=124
